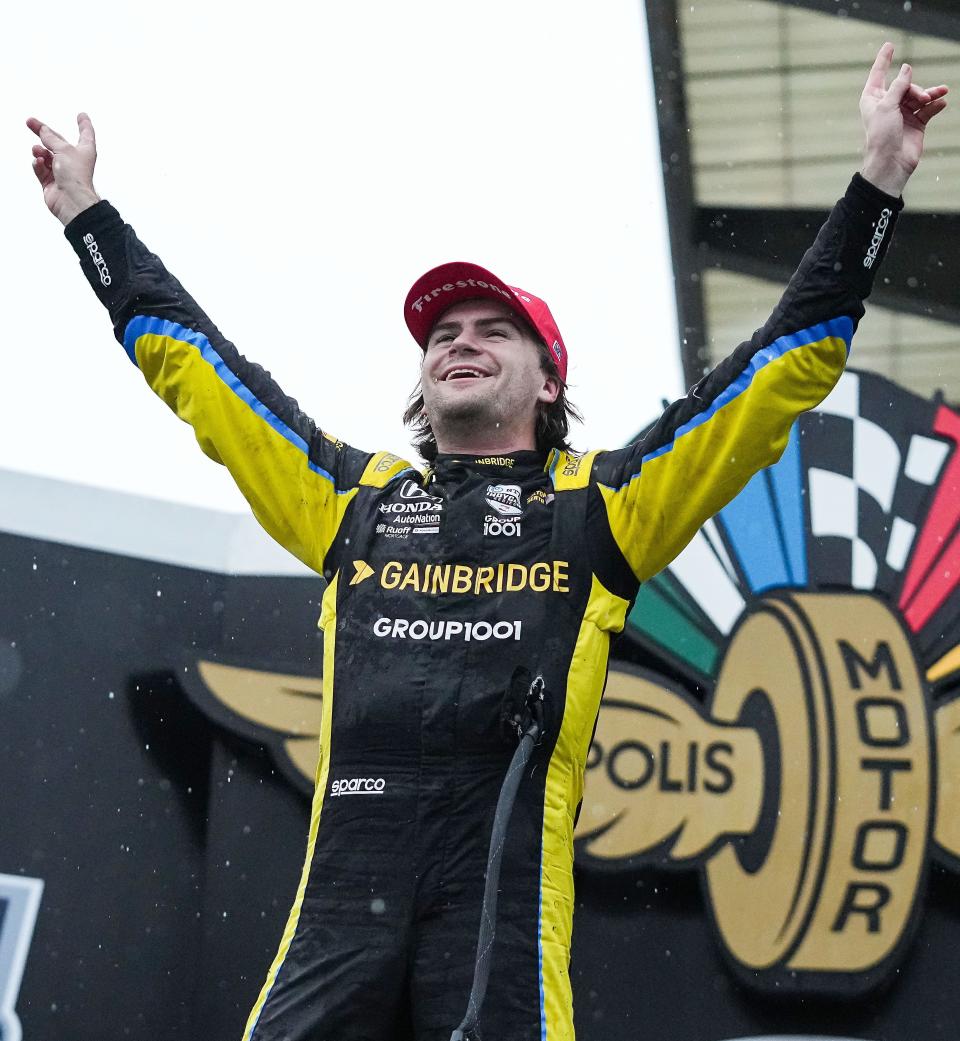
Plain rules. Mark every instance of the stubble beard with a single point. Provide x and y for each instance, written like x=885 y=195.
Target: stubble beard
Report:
x=465 y=420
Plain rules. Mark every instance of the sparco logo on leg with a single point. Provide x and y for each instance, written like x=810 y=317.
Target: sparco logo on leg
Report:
x=97 y=257
x=358 y=786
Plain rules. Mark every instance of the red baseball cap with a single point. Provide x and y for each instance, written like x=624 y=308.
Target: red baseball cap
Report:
x=448 y=284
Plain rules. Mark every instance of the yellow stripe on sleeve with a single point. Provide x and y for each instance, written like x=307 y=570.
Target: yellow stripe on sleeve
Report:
x=654 y=514
x=297 y=503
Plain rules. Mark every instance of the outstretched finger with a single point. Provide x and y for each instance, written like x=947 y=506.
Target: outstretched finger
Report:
x=927 y=113
x=87 y=134
x=877 y=78
x=898 y=89
x=48 y=135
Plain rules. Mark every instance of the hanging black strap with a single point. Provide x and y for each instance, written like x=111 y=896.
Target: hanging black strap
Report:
x=529 y=728
x=571 y=506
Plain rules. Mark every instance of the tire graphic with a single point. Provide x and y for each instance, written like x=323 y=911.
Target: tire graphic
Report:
x=846 y=850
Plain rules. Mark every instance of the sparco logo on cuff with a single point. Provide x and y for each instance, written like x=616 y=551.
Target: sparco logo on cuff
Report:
x=881 y=230
x=97 y=257
x=358 y=786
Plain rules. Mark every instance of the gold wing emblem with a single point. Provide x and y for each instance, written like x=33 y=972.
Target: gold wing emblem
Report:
x=279 y=710
x=665 y=783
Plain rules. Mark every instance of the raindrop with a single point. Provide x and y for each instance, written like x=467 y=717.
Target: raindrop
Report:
x=11 y=666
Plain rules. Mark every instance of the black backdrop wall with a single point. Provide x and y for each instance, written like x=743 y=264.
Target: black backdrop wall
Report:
x=170 y=845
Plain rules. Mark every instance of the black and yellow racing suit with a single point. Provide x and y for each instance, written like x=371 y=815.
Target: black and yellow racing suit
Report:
x=439 y=585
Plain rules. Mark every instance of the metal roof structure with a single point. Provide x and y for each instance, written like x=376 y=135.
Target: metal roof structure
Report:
x=760 y=132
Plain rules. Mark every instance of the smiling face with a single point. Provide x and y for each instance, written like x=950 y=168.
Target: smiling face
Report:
x=482 y=380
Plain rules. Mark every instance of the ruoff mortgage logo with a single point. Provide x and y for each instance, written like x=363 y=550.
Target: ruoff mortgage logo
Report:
x=821 y=609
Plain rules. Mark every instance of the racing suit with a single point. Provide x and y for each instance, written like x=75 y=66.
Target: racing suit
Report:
x=439 y=585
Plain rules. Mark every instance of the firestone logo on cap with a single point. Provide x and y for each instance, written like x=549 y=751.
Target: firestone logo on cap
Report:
x=463 y=283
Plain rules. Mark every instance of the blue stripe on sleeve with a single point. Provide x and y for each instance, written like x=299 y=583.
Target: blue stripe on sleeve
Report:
x=142 y=325
x=841 y=328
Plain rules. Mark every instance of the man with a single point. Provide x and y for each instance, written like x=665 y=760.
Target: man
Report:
x=510 y=553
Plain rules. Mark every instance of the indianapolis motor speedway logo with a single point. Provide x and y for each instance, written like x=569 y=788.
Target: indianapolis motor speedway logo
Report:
x=818 y=776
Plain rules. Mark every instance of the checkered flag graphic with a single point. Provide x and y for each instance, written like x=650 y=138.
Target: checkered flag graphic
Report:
x=868 y=483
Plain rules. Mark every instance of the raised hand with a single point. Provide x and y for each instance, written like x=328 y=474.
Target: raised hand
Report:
x=895 y=119
x=65 y=171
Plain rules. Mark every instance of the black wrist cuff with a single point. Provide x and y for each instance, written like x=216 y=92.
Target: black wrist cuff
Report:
x=97 y=237
x=96 y=218
x=866 y=218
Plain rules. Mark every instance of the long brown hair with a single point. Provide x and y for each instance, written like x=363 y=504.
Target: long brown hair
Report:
x=553 y=418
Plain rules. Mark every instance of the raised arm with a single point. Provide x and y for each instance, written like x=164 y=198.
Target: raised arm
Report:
x=657 y=492
x=298 y=480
